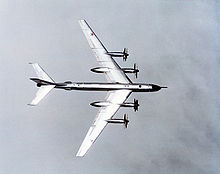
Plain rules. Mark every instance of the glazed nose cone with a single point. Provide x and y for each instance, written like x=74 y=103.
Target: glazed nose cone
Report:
x=157 y=87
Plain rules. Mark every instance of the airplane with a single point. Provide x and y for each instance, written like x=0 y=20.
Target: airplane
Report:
x=119 y=87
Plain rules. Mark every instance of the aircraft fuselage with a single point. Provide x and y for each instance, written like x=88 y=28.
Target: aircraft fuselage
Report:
x=135 y=87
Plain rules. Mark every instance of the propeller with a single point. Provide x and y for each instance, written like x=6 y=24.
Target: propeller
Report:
x=136 y=105
x=126 y=120
x=125 y=54
x=136 y=70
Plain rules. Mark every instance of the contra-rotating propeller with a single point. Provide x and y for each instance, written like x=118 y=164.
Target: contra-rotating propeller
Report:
x=125 y=54
x=136 y=105
x=126 y=121
x=136 y=70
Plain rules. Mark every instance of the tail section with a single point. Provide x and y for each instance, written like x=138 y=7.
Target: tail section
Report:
x=41 y=93
x=44 y=81
x=41 y=73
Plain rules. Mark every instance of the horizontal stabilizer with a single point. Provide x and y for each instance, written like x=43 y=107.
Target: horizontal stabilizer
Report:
x=41 y=93
x=44 y=81
x=41 y=73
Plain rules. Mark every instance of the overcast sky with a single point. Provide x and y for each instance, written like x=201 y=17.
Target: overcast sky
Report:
x=175 y=43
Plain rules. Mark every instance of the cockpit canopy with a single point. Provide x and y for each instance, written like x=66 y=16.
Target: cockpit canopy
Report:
x=68 y=82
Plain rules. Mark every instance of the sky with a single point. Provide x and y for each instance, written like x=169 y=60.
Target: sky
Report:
x=175 y=44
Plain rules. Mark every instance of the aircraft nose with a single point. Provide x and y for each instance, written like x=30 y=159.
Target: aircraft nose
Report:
x=157 y=87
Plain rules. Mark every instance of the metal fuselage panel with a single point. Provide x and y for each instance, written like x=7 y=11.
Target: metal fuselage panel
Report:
x=108 y=87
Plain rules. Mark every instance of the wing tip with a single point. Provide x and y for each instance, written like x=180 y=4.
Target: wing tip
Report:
x=30 y=104
x=33 y=63
x=81 y=21
x=79 y=154
x=84 y=25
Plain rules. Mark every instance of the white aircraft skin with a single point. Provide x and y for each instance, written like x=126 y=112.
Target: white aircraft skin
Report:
x=87 y=86
x=118 y=87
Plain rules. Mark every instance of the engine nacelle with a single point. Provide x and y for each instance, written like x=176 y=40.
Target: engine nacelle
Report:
x=124 y=54
x=128 y=105
x=100 y=104
x=124 y=121
x=100 y=69
x=129 y=70
x=134 y=105
x=134 y=70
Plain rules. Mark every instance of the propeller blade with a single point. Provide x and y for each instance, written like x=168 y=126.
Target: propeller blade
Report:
x=136 y=70
x=125 y=50
x=125 y=54
x=125 y=116
x=126 y=120
x=136 y=105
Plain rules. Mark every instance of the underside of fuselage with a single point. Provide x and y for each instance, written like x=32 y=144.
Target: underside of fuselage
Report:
x=94 y=86
x=109 y=87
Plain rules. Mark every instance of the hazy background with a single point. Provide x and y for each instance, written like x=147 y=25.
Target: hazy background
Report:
x=175 y=43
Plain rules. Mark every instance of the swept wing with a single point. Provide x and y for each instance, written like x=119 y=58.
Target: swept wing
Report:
x=104 y=114
x=115 y=98
x=115 y=74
